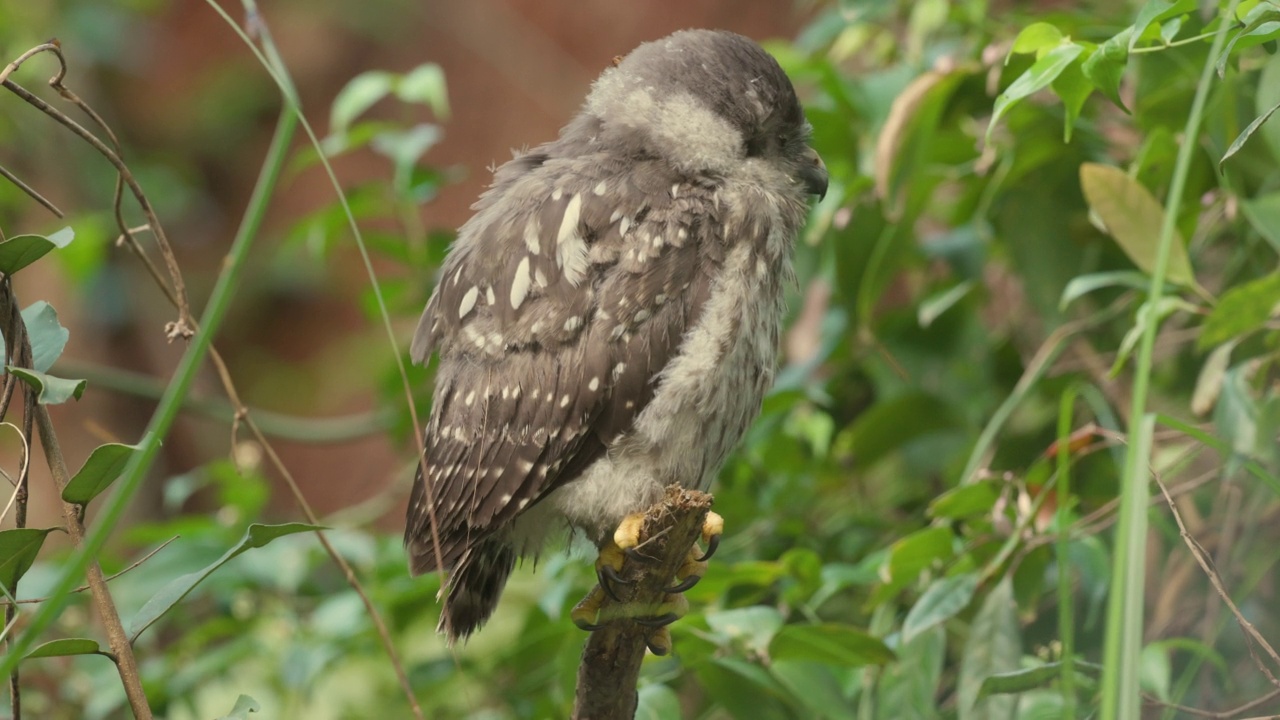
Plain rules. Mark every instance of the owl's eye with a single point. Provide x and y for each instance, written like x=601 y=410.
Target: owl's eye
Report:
x=756 y=146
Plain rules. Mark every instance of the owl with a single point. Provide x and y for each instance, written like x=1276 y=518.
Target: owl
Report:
x=607 y=322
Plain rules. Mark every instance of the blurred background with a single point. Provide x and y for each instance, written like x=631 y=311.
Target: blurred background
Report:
x=898 y=530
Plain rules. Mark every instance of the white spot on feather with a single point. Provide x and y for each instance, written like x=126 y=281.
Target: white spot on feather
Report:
x=624 y=227
x=564 y=401
x=600 y=188
x=571 y=251
x=594 y=385
x=520 y=283
x=468 y=302
x=573 y=323
x=471 y=398
x=488 y=294
x=532 y=230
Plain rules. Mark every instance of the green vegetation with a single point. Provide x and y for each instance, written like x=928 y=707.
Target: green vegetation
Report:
x=1021 y=462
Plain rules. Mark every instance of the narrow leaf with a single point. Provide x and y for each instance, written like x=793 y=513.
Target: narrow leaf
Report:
x=50 y=390
x=931 y=307
x=1133 y=218
x=18 y=549
x=1035 y=37
x=1156 y=10
x=939 y=603
x=1248 y=132
x=1209 y=383
x=102 y=468
x=830 y=643
x=178 y=588
x=357 y=96
x=63 y=647
x=1105 y=67
x=1033 y=678
x=425 y=84
x=965 y=501
x=1082 y=285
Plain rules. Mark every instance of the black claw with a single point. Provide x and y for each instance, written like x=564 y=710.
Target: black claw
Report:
x=659 y=621
x=606 y=576
x=683 y=585
x=588 y=627
x=712 y=544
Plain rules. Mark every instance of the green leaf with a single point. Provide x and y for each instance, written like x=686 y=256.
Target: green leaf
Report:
x=656 y=701
x=1209 y=382
x=916 y=552
x=104 y=465
x=941 y=602
x=1132 y=216
x=1241 y=310
x=1105 y=67
x=754 y=626
x=1073 y=88
x=830 y=643
x=1248 y=132
x=908 y=688
x=1145 y=316
x=1263 y=213
x=47 y=335
x=745 y=689
x=993 y=647
x=1036 y=37
x=1260 y=25
x=50 y=390
x=1155 y=672
x=1034 y=678
x=1037 y=77
x=933 y=306
x=890 y=424
x=425 y=85
x=1155 y=11
x=360 y=94
x=18 y=549
x=965 y=501
x=171 y=594
x=20 y=251
x=1082 y=285
x=815 y=686
x=243 y=707
x=65 y=646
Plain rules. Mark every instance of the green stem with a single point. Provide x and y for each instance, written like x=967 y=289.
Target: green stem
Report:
x=1120 y=697
x=127 y=486
x=1066 y=623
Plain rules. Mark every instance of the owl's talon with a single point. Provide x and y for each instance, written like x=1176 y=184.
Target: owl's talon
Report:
x=659 y=621
x=607 y=577
x=586 y=613
x=683 y=585
x=712 y=529
x=659 y=641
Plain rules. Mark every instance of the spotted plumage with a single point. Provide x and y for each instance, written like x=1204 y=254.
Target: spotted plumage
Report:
x=607 y=322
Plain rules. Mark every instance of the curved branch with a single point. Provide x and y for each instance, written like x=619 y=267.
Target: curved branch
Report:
x=611 y=660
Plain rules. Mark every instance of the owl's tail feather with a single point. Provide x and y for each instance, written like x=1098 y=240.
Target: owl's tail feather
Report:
x=474 y=586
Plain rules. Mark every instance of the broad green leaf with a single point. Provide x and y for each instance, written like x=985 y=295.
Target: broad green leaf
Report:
x=18 y=549
x=1155 y=11
x=890 y=424
x=1073 y=88
x=745 y=689
x=1082 y=285
x=1260 y=24
x=941 y=602
x=65 y=646
x=1263 y=213
x=360 y=94
x=754 y=625
x=814 y=685
x=1105 y=67
x=933 y=306
x=20 y=251
x=1133 y=217
x=1033 y=678
x=48 y=337
x=1209 y=382
x=830 y=643
x=965 y=501
x=1241 y=310
x=1248 y=132
x=1155 y=672
x=50 y=390
x=425 y=84
x=1037 y=77
x=993 y=647
x=1034 y=38
x=405 y=147
x=916 y=552
x=244 y=706
x=907 y=688
x=171 y=594
x=104 y=465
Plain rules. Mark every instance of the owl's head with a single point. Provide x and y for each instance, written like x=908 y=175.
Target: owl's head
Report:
x=706 y=101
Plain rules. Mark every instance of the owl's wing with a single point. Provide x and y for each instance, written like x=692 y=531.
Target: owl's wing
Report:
x=558 y=307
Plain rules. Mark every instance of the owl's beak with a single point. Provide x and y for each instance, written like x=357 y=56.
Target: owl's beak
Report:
x=813 y=173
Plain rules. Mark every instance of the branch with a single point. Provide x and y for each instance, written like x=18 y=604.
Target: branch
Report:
x=611 y=660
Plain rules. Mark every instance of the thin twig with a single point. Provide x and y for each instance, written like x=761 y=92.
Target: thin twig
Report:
x=1222 y=714
x=48 y=205
x=1206 y=564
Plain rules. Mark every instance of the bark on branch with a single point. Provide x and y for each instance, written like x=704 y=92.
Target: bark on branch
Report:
x=611 y=660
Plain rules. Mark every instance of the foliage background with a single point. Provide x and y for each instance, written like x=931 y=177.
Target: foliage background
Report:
x=901 y=490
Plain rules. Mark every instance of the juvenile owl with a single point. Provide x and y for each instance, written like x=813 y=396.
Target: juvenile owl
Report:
x=608 y=321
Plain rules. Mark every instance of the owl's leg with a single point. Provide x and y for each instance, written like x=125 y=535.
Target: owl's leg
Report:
x=587 y=613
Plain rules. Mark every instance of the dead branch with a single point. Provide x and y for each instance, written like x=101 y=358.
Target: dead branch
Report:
x=611 y=660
